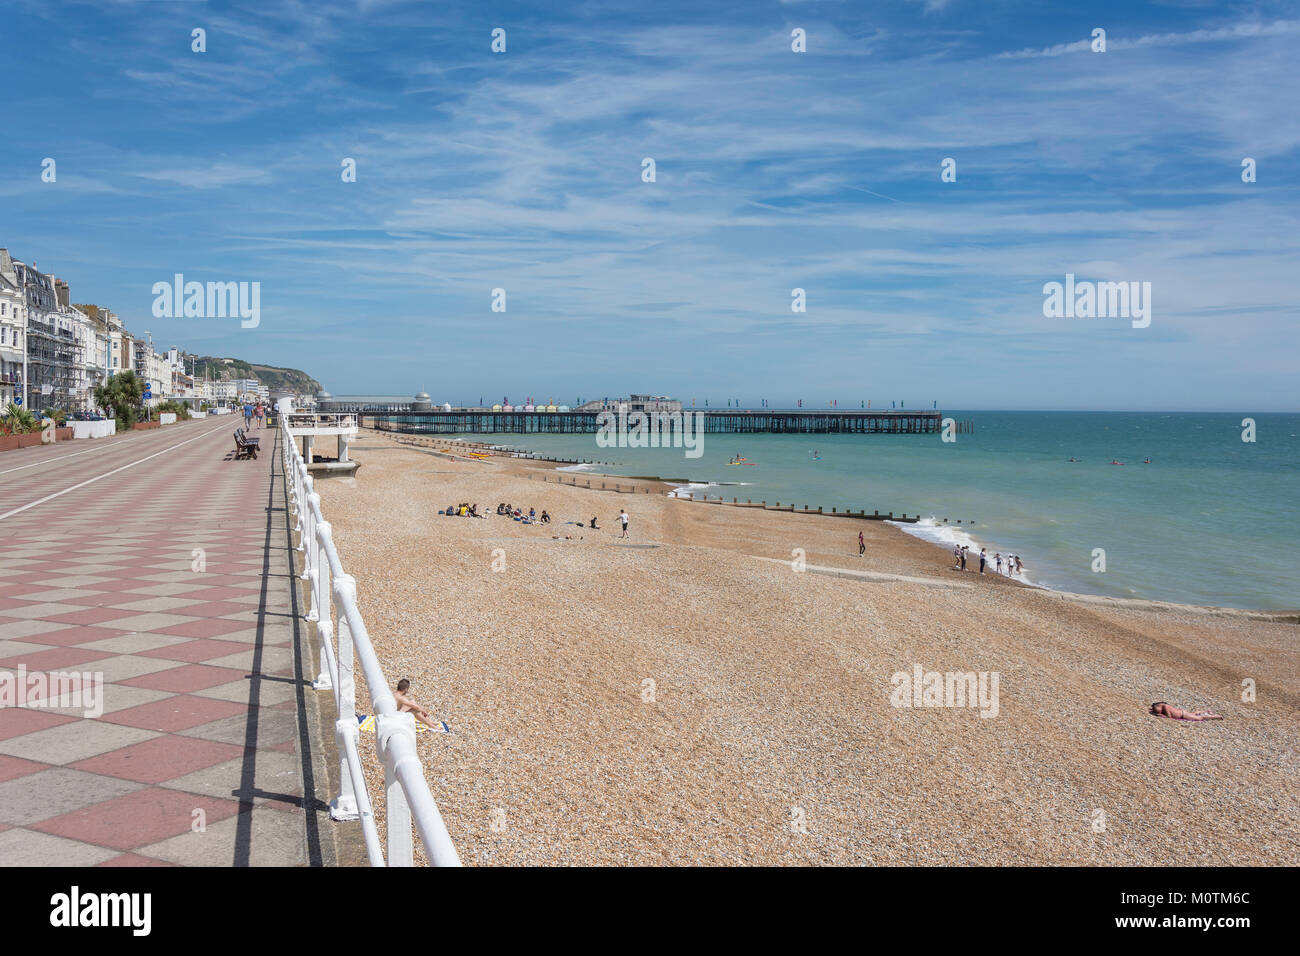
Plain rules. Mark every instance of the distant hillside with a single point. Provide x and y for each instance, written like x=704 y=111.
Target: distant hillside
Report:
x=224 y=369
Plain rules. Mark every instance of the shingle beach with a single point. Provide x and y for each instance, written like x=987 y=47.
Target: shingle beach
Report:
x=700 y=701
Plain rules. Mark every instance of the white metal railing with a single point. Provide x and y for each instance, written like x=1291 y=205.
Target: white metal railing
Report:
x=406 y=792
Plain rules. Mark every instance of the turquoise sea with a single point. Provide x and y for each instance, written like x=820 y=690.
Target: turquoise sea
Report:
x=1212 y=520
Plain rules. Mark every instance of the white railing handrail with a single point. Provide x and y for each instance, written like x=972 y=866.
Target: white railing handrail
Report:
x=407 y=796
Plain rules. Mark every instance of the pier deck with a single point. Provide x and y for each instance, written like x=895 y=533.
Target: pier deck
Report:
x=726 y=421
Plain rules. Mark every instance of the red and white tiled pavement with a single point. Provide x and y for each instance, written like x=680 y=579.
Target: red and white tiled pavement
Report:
x=158 y=564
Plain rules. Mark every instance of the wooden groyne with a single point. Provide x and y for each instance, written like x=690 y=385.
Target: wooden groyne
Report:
x=450 y=449
x=604 y=483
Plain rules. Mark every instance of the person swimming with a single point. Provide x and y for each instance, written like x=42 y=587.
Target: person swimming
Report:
x=1162 y=709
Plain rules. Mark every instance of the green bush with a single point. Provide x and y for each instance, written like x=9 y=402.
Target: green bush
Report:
x=171 y=405
x=19 y=421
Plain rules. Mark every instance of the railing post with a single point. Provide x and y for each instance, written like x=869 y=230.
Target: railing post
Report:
x=401 y=845
x=308 y=524
x=345 y=593
x=320 y=602
x=344 y=806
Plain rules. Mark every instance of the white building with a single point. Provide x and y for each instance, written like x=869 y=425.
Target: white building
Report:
x=251 y=390
x=13 y=325
x=217 y=393
x=153 y=369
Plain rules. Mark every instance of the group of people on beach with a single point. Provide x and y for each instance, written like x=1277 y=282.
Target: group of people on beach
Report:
x=1013 y=563
x=463 y=510
x=467 y=510
x=510 y=511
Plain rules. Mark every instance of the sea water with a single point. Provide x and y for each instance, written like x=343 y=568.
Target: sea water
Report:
x=1211 y=520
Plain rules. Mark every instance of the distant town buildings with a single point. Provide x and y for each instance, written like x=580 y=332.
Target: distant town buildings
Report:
x=63 y=350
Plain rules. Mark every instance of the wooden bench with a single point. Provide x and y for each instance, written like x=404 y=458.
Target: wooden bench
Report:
x=244 y=448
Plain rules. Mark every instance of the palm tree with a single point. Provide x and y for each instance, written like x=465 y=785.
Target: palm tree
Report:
x=121 y=394
x=18 y=420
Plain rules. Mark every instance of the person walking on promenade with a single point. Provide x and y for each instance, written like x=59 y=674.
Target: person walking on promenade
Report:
x=248 y=416
x=983 y=559
x=622 y=517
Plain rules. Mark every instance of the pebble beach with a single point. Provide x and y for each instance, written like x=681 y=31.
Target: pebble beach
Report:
x=720 y=688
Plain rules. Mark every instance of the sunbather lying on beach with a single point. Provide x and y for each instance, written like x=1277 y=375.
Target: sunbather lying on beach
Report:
x=1161 y=709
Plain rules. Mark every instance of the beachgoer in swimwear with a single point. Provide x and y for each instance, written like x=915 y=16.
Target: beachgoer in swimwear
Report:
x=1161 y=709
x=407 y=705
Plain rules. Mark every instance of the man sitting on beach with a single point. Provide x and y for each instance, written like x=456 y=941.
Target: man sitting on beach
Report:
x=1161 y=709
x=407 y=705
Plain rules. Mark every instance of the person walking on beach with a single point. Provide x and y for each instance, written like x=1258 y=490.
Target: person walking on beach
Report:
x=956 y=559
x=862 y=545
x=964 y=549
x=622 y=516
x=997 y=558
x=984 y=559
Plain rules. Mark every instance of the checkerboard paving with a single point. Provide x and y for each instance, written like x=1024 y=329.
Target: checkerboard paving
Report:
x=171 y=580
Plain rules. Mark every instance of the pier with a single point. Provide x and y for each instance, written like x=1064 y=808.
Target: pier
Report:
x=715 y=421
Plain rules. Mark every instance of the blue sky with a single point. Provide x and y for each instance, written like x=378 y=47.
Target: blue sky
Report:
x=775 y=170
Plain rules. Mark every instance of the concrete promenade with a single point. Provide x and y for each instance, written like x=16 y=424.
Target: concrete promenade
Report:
x=157 y=564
